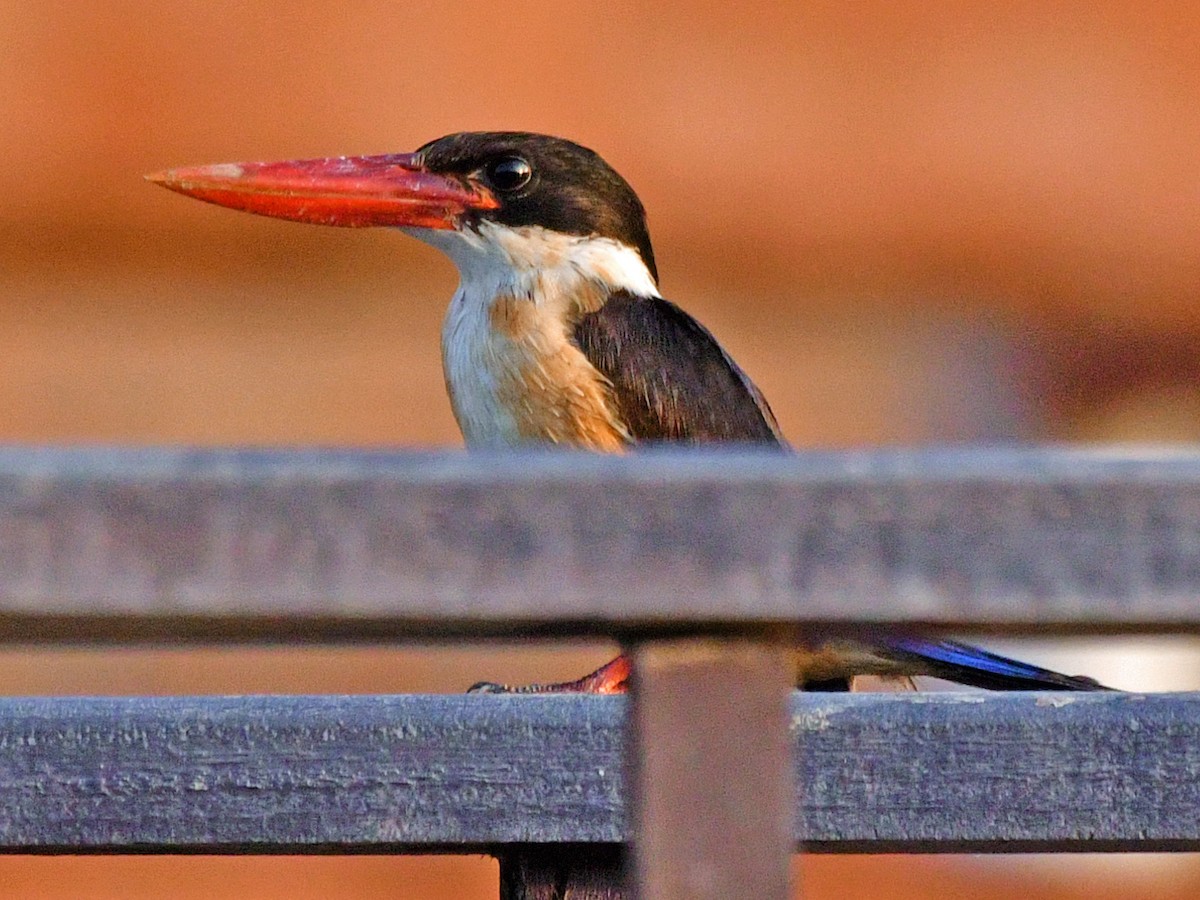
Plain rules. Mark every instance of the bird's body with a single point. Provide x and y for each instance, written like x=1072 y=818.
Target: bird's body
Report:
x=558 y=334
x=514 y=372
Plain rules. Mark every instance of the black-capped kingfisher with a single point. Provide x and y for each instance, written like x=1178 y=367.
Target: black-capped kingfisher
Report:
x=558 y=335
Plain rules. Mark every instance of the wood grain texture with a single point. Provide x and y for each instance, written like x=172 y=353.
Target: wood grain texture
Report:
x=309 y=545
x=879 y=773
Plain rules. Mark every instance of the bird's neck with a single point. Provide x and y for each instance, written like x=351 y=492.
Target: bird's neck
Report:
x=542 y=265
x=513 y=371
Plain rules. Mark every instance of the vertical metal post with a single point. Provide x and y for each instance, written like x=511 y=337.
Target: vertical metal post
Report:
x=711 y=769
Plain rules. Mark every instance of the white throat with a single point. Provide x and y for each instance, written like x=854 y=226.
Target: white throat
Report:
x=531 y=261
x=549 y=279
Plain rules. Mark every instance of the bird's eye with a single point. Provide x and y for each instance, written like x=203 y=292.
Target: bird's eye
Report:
x=509 y=174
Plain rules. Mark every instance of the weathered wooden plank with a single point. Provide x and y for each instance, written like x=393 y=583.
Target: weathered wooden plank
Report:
x=1000 y=772
x=885 y=772
x=306 y=773
x=154 y=543
x=710 y=774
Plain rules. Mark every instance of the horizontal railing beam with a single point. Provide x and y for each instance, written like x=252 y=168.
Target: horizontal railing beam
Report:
x=205 y=544
x=877 y=773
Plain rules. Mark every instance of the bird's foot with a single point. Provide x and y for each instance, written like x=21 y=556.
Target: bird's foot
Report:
x=610 y=678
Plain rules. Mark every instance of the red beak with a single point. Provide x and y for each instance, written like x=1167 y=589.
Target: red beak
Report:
x=350 y=191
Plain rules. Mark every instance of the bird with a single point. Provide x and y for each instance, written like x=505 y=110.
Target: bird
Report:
x=558 y=335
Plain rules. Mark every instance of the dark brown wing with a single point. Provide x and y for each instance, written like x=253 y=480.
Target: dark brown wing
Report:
x=671 y=379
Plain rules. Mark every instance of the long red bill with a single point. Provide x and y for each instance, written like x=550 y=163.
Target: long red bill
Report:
x=349 y=191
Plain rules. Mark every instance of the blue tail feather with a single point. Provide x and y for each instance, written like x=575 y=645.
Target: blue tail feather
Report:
x=977 y=667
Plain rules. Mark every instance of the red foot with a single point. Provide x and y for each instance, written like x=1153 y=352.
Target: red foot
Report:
x=610 y=678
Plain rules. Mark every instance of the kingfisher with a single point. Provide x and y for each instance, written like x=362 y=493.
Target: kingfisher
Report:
x=558 y=335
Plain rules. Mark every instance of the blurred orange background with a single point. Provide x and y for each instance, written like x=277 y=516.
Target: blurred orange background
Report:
x=909 y=222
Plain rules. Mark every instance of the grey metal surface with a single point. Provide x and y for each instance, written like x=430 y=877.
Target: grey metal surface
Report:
x=885 y=772
x=161 y=543
x=711 y=766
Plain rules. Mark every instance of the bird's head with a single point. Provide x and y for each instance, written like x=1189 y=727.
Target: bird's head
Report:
x=494 y=202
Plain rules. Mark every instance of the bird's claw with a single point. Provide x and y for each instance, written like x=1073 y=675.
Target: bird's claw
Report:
x=610 y=678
